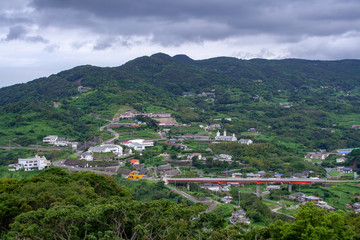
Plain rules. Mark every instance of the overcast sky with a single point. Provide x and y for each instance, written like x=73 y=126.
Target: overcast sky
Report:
x=43 y=37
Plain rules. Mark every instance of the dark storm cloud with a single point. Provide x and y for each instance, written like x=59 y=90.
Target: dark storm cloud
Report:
x=198 y=20
x=17 y=32
x=20 y=33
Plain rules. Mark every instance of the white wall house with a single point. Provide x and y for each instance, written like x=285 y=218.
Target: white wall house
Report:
x=55 y=140
x=225 y=156
x=139 y=144
x=61 y=142
x=50 y=139
x=245 y=141
x=87 y=156
x=36 y=162
x=105 y=148
x=341 y=160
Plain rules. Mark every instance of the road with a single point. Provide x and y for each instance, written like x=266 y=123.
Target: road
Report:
x=34 y=147
x=114 y=138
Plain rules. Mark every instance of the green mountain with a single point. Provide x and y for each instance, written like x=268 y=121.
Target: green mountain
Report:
x=301 y=104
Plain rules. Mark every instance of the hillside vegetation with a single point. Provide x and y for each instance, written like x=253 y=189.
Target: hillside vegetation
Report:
x=322 y=99
x=55 y=204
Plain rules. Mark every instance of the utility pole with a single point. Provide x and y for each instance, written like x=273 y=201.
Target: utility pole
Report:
x=239 y=197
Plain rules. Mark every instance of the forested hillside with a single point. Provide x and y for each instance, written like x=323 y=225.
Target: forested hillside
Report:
x=300 y=104
x=56 y=204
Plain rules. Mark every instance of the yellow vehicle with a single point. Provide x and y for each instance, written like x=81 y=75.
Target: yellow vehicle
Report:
x=135 y=175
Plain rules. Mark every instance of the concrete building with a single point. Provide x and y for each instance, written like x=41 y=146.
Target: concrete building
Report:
x=225 y=156
x=50 y=139
x=86 y=156
x=139 y=144
x=55 y=140
x=341 y=160
x=105 y=148
x=32 y=163
x=61 y=141
x=246 y=141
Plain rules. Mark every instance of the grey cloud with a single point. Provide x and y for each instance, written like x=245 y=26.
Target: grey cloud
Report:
x=345 y=46
x=36 y=39
x=51 y=48
x=103 y=44
x=20 y=33
x=15 y=33
x=173 y=22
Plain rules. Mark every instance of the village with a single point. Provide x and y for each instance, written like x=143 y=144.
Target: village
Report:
x=126 y=156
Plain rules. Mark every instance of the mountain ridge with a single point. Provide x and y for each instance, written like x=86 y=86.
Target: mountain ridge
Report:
x=318 y=94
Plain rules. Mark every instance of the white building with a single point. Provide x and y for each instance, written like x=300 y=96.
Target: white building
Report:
x=106 y=148
x=341 y=160
x=225 y=156
x=246 y=141
x=236 y=175
x=55 y=140
x=50 y=139
x=36 y=162
x=224 y=137
x=86 y=156
x=227 y=199
x=139 y=144
x=61 y=141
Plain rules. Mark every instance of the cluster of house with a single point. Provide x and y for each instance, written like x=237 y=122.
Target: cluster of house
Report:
x=219 y=187
x=239 y=216
x=259 y=174
x=323 y=154
x=344 y=169
x=302 y=198
x=59 y=141
x=355 y=207
x=32 y=163
x=166 y=122
x=219 y=158
x=104 y=148
x=130 y=115
x=212 y=126
x=167 y=170
x=117 y=150
x=55 y=140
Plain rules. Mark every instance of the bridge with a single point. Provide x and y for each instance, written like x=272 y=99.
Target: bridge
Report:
x=258 y=181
